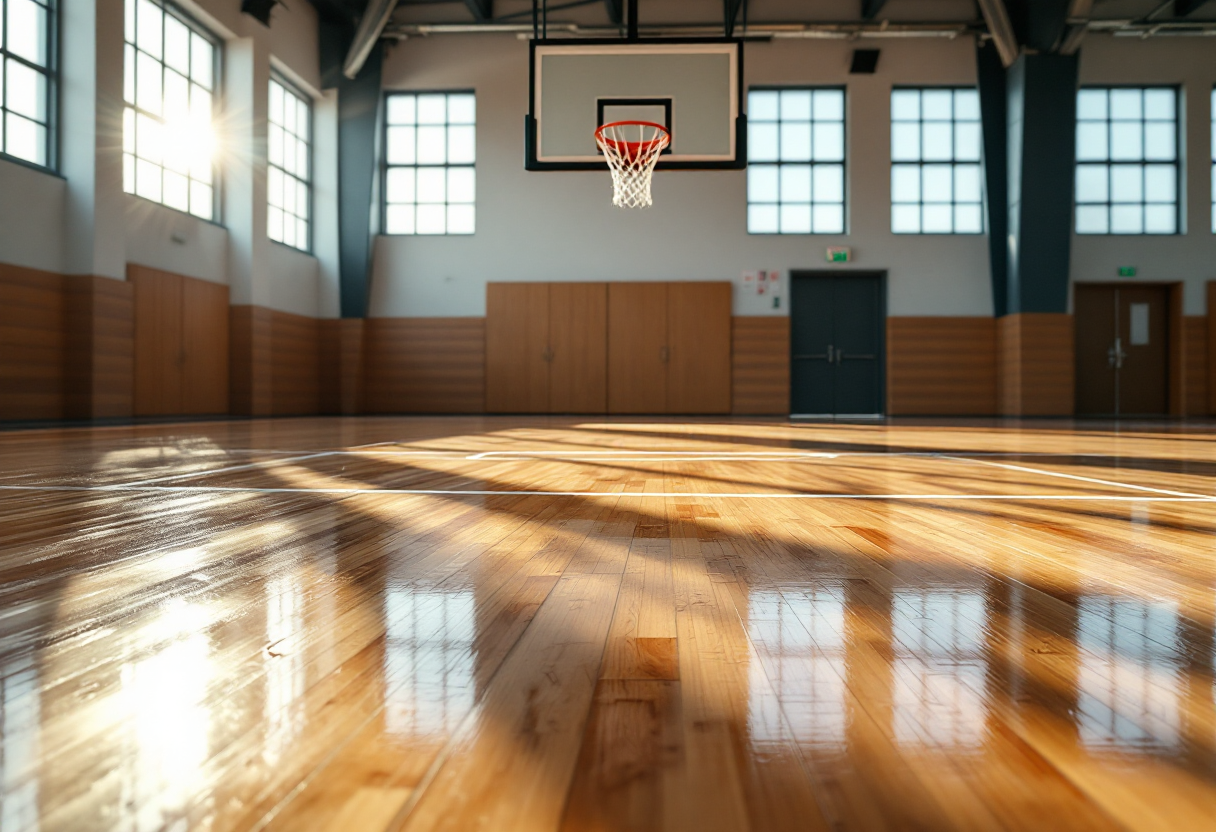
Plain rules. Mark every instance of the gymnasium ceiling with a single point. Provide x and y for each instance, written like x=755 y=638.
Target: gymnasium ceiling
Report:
x=600 y=13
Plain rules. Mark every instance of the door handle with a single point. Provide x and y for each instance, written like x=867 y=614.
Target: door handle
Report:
x=664 y=354
x=830 y=353
x=1115 y=355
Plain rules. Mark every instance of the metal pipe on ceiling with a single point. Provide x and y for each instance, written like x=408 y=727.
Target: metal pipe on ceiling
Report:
x=841 y=31
x=371 y=26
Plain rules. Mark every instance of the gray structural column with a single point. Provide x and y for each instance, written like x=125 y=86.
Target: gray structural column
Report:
x=1041 y=93
x=993 y=101
x=1029 y=117
x=358 y=162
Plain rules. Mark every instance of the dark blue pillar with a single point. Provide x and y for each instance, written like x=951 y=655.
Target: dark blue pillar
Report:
x=1041 y=148
x=358 y=134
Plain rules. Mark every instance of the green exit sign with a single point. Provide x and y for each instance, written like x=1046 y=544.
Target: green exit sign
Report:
x=839 y=254
x=1127 y=271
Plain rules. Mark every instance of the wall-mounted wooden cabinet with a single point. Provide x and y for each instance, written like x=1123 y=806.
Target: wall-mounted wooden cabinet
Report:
x=546 y=347
x=181 y=344
x=608 y=347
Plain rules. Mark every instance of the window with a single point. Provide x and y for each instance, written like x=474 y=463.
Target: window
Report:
x=1127 y=161
x=430 y=149
x=169 y=85
x=27 y=85
x=289 y=195
x=936 y=177
x=795 y=154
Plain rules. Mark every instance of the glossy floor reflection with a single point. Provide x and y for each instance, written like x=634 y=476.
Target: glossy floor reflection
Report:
x=563 y=624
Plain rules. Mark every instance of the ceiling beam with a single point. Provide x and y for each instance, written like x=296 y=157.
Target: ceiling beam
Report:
x=482 y=10
x=730 y=13
x=1078 y=14
x=615 y=13
x=1184 y=7
x=871 y=8
x=375 y=18
x=1001 y=29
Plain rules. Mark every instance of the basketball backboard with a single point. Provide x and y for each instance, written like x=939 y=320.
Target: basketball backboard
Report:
x=693 y=87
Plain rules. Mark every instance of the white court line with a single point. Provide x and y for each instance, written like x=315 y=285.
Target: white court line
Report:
x=1080 y=478
x=209 y=489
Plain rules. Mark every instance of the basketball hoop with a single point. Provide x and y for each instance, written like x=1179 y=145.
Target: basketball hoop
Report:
x=632 y=149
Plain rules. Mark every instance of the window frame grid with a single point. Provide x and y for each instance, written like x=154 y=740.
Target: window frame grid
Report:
x=50 y=72
x=1143 y=163
x=386 y=166
x=843 y=163
x=953 y=163
x=280 y=79
x=195 y=26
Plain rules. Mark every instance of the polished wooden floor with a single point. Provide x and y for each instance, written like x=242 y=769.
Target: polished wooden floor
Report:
x=555 y=624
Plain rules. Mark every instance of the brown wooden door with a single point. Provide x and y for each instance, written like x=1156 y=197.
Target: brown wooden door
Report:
x=1122 y=343
x=1144 y=337
x=517 y=347
x=637 y=348
x=159 y=351
x=578 y=347
x=204 y=316
x=698 y=340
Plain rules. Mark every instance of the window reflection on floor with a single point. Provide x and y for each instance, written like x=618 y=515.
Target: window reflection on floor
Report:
x=939 y=667
x=284 y=662
x=164 y=697
x=801 y=636
x=1130 y=674
x=428 y=660
x=20 y=726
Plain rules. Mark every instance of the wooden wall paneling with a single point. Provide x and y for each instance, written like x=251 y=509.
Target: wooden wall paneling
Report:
x=295 y=361
x=32 y=344
x=1037 y=364
x=1211 y=346
x=637 y=347
x=760 y=365
x=99 y=358
x=942 y=366
x=340 y=365
x=159 y=348
x=250 y=360
x=578 y=343
x=1176 y=351
x=698 y=339
x=517 y=348
x=1195 y=365
x=425 y=365
x=205 y=344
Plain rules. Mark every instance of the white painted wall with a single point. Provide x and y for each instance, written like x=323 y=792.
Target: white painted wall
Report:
x=1191 y=256
x=82 y=223
x=562 y=226
x=31 y=217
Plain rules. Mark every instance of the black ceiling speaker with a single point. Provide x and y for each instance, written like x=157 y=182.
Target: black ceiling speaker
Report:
x=259 y=10
x=865 y=61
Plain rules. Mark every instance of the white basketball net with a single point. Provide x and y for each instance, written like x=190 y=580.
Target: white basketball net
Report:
x=632 y=149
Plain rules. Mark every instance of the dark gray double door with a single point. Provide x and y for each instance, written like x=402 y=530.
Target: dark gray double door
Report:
x=837 y=328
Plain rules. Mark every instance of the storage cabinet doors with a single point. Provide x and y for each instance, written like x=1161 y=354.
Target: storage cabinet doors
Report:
x=578 y=347
x=545 y=347
x=608 y=347
x=181 y=344
x=637 y=348
x=517 y=347
x=669 y=347
x=698 y=338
